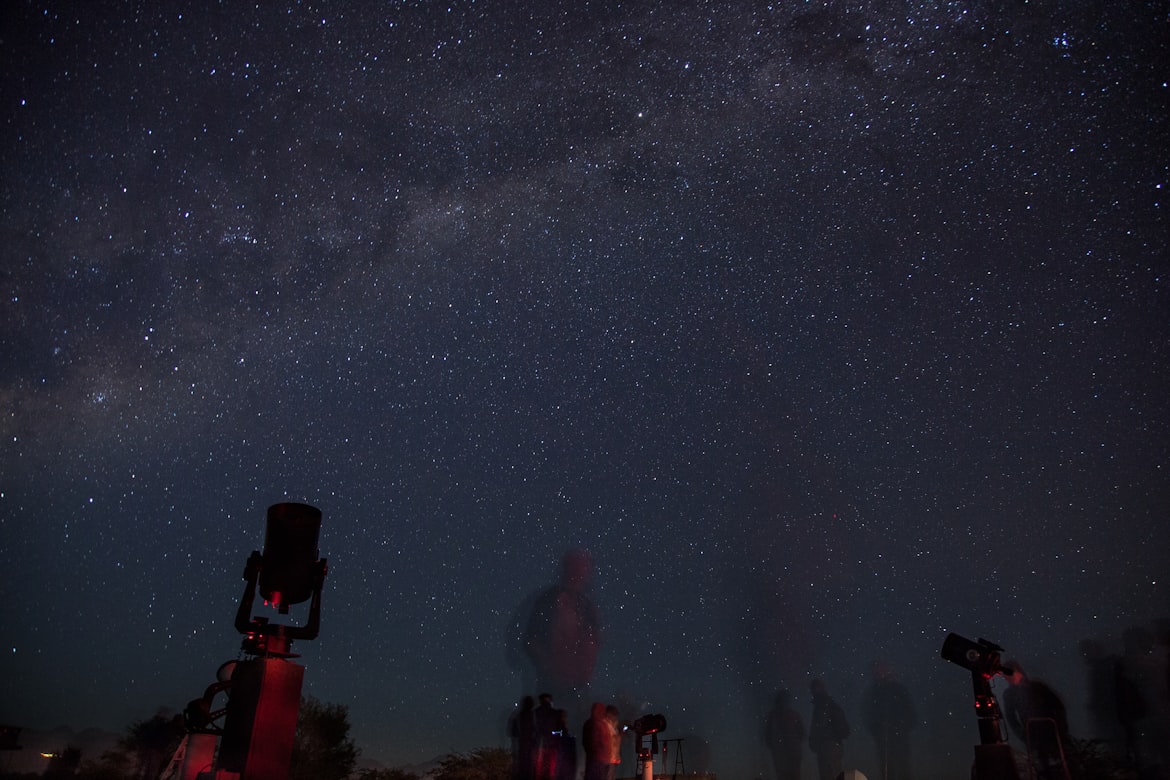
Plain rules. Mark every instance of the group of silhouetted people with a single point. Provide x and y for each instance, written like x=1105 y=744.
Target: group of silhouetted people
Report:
x=544 y=748
x=889 y=717
x=558 y=633
x=1129 y=696
x=784 y=733
x=1128 y=704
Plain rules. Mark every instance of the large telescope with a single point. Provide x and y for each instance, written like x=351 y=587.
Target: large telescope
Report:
x=259 y=720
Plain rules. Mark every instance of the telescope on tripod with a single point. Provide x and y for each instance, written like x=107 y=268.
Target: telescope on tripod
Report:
x=256 y=727
x=993 y=755
x=647 y=726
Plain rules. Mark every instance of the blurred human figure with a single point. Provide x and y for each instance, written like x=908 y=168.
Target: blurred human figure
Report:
x=827 y=732
x=1131 y=706
x=550 y=744
x=1143 y=699
x=784 y=736
x=566 y=749
x=1036 y=715
x=522 y=730
x=1162 y=638
x=613 y=719
x=563 y=634
x=545 y=720
x=1161 y=695
x=1101 y=685
x=889 y=716
x=597 y=739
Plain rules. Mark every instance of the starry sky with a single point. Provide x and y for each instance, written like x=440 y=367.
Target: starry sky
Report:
x=826 y=327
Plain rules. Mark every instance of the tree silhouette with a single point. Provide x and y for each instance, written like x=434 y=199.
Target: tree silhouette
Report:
x=481 y=764
x=152 y=742
x=140 y=754
x=323 y=749
x=386 y=774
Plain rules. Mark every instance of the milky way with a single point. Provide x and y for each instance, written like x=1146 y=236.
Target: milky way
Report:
x=826 y=328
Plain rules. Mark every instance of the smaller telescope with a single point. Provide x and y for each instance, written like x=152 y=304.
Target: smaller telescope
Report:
x=980 y=657
x=993 y=756
x=648 y=725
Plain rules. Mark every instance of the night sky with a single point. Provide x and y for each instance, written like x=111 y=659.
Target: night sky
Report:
x=827 y=328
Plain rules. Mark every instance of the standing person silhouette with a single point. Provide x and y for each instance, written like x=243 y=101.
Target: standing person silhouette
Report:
x=547 y=726
x=612 y=719
x=566 y=749
x=522 y=730
x=889 y=717
x=827 y=732
x=594 y=743
x=1036 y=715
x=1101 y=684
x=784 y=736
x=563 y=634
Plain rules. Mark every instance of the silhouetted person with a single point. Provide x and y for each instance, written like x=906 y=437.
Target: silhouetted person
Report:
x=563 y=634
x=784 y=736
x=827 y=732
x=889 y=716
x=596 y=743
x=1139 y=682
x=1036 y=715
x=1101 y=683
x=613 y=719
x=522 y=730
x=1161 y=695
x=64 y=764
x=549 y=724
x=566 y=749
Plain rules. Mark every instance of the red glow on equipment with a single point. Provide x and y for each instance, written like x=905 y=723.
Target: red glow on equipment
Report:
x=290 y=554
x=261 y=720
x=264 y=691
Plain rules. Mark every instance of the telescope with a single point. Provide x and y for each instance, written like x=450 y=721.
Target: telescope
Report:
x=263 y=690
x=993 y=755
x=289 y=567
x=647 y=726
x=287 y=572
x=980 y=657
